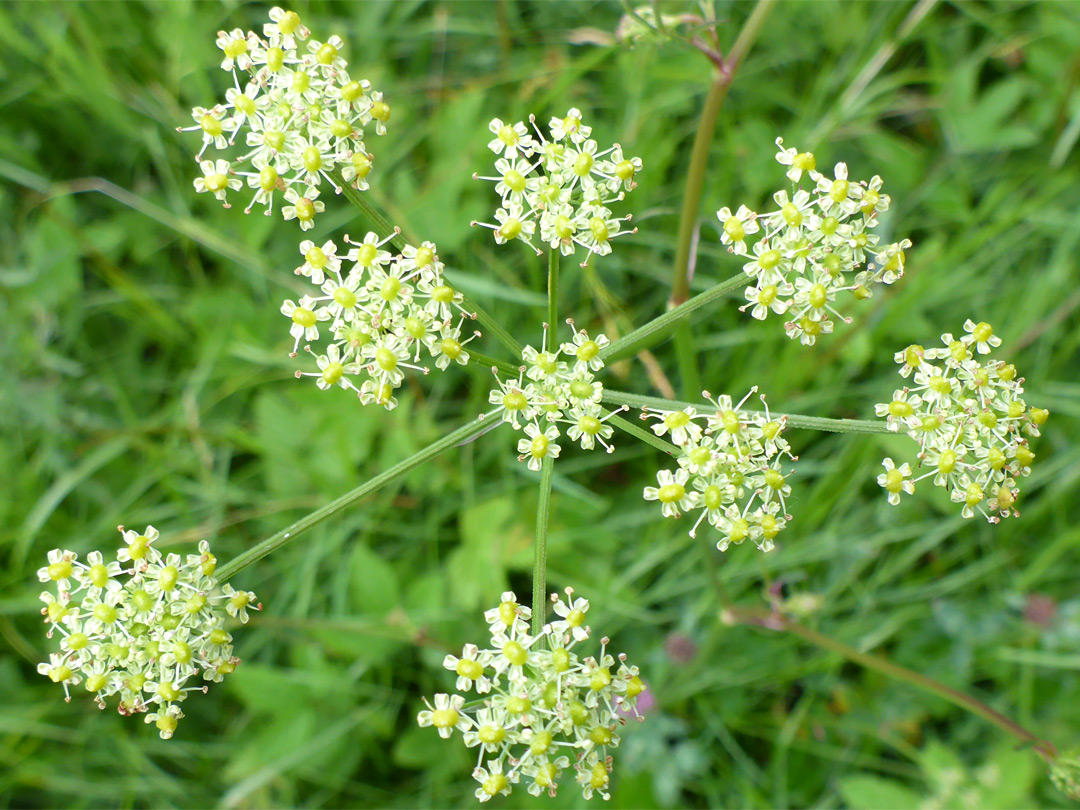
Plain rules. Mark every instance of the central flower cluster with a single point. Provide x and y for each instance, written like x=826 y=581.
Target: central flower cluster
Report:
x=561 y=182
x=729 y=468
x=144 y=635
x=541 y=707
x=550 y=390
x=814 y=247
x=382 y=314
x=968 y=419
x=302 y=113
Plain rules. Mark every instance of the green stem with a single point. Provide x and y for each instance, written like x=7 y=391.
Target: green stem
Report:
x=644 y=435
x=543 y=511
x=648 y=335
x=795 y=420
x=493 y=327
x=776 y=621
x=553 y=297
x=476 y=358
x=686 y=359
x=287 y=535
x=699 y=154
x=382 y=226
x=723 y=76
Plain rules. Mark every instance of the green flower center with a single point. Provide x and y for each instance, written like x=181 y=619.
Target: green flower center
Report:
x=514 y=180
x=305 y=209
x=589 y=425
x=541 y=741
x=268 y=179
x=469 y=669
x=345 y=298
x=333 y=372
x=510 y=229
x=312 y=159
x=894 y=481
x=671 y=493
x=106 y=614
x=304 y=317
x=515 y=653
x=385 y=359
x=390 y=288
x=168 y=577
x=538 y=448
x=769 y=259
x=900 y=409
x=492 y=734
x=218 y=637
x=275 y=59
x=583 y=164
x=515 y=401
x=380 y=111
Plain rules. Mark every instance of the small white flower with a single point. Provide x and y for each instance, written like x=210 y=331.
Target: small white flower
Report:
x=511 y=139
x=896 y=480
x=672 y=493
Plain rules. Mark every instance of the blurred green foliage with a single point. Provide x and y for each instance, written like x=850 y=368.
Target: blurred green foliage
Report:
x=144 y=378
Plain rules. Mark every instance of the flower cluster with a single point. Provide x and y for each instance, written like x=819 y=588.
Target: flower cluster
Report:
x=141 y=626
x=730 y=468
x=540 y=708
x=302 y=114
x=814 y=247
x=381 y=314
x=550 y=390
x=968 y=418
x=562 y=183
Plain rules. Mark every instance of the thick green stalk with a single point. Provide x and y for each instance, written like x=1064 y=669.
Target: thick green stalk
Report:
x=695 y=183
x=776 y=621
x=723 y=76
x=543 y=512
x=547 y=473
x=795 y=420
x=287 y=535
x=476 y=358
x=646 y=436
x=553 y=296
x=383 y=227
x=648 y=335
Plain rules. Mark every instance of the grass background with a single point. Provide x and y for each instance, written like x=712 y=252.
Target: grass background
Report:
x=144 y=378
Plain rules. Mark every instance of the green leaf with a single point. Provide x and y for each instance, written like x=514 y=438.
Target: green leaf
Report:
x=876 y=793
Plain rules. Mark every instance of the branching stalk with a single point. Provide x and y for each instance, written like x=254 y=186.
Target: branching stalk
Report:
x=478 y=359
x=543 y=512
x=723 y=76
x=287 y=535
x=656 y=330
x=795 y=420
x=553 y=296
